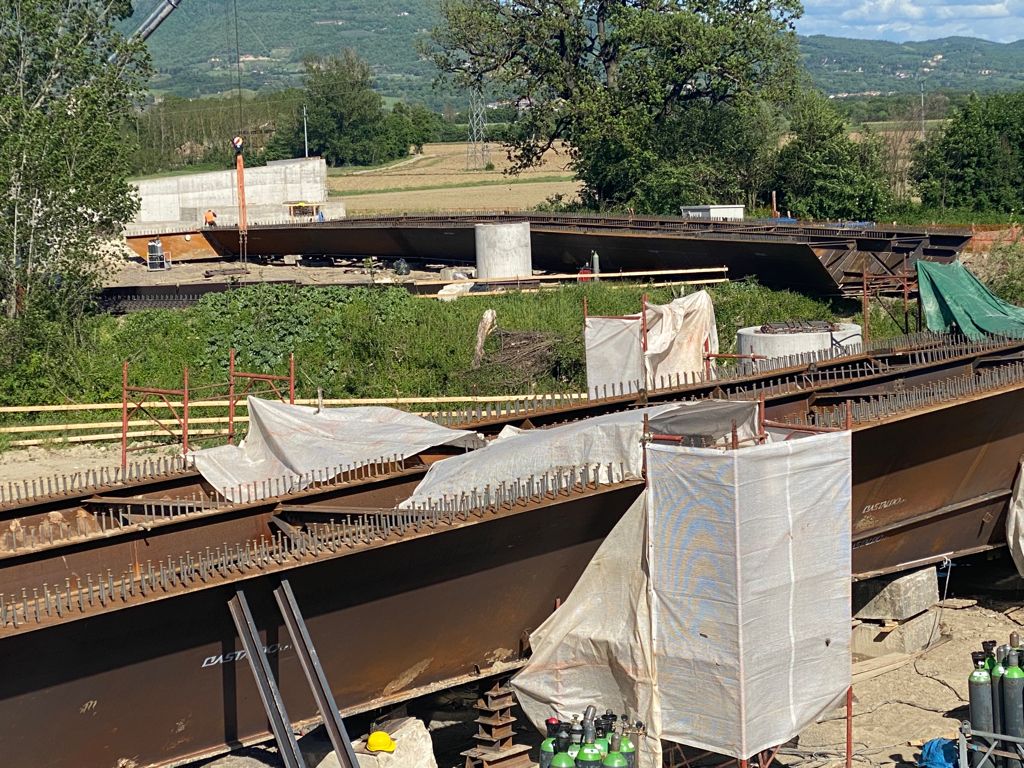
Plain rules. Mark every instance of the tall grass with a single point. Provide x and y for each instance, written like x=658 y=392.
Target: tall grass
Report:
x=350 y=342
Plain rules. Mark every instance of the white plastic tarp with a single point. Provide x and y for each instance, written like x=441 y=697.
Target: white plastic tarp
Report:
x=722 y=620
x=679 y=335
x=609 y=446
x=289 y=443
x=1015 y=522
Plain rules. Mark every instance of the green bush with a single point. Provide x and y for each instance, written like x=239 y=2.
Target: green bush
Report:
x=351 y=342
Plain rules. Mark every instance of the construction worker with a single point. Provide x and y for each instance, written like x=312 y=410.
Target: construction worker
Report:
x=210 y=218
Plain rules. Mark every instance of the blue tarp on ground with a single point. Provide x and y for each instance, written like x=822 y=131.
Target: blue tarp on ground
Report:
x=951 y=296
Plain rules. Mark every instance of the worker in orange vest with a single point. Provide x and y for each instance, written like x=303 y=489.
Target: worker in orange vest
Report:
x=210 y=218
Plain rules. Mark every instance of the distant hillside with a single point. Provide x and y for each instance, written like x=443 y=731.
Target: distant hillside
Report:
x=843 y=66
x=194 y=51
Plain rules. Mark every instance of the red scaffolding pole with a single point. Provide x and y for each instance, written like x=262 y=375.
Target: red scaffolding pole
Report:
x=273 y=385
x=177 y=401
x=133 y=400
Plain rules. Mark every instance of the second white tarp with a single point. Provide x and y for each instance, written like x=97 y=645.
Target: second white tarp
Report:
x=608 y=446
x=679 y=336
x=1015 y=521
x=286 y=443
x=718 y=610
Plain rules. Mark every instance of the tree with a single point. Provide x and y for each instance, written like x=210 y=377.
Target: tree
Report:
x=68 y=81
x=977 y=162
x=609 y=76
x=824 y=174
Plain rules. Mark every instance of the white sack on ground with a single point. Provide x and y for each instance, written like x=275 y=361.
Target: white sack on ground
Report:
x=1015 y=522
x=289 y=441
x=723 y=620
x=679 y=335
x=610 y=444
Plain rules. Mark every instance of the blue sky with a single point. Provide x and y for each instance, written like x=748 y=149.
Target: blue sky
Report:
x=1000 y=21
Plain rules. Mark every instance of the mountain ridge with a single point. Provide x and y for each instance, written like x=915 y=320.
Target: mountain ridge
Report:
x=194 y=51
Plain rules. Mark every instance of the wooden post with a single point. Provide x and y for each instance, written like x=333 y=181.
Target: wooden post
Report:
x=124 y=415
x=849 y=727
x=231 y=396
x=184 y=415
x=865 y=306
x=291 y=379
x=643 y=341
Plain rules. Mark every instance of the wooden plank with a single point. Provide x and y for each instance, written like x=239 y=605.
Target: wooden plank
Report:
x=574 y=276
x=451 y=296
x=116 y=436
x=299 y=401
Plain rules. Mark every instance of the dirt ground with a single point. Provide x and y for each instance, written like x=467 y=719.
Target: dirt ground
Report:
x=132 y=272
x=504 y=197
x=437 y=180
x=894 y=713
x=442 y=164
x=31 y=463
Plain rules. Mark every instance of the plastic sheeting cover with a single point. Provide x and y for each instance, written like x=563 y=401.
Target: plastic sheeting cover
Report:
x=290 y=441
x=719 y=611
x=952 y=295
x=679 y=334
x=608 y=444
x=1015 y=521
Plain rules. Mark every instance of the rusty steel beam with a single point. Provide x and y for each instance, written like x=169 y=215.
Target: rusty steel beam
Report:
x=934 y=455
x=156 y=680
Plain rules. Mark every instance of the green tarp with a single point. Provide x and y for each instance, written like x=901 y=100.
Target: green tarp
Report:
x=952 y=296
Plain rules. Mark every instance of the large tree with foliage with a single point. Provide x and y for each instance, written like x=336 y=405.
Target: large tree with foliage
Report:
x=822 y=173
x=346 y=118
x=613 y=78
x=977 y=161
x=68 y=80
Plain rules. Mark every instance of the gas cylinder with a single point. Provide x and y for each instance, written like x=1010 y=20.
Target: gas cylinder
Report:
x=562 y=760
x=563 y=740
x=989 y=647
x=576 y=730
x=626 y=747
x=997 y=673
x=1015 y=640
x=601 y=738
x=1012 y=684
x=614 y=758
x=979 y=691
x=547 y=752
x=589 y=756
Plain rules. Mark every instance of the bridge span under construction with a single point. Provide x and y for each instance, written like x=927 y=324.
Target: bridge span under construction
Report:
x=819 y=259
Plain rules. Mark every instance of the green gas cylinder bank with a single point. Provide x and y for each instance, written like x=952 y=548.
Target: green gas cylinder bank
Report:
x=593 y=742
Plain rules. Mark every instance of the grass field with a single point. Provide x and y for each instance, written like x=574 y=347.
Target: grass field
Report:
x=438 y=180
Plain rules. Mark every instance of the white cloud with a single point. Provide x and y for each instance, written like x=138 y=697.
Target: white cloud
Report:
x=901 y=20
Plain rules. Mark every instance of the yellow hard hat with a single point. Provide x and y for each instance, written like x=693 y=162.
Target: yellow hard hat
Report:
x=380 y=741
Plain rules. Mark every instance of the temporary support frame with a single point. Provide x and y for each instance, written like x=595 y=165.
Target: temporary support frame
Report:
x=252 y=379
x=180 y=401
x=901 y=284
x=137 y=397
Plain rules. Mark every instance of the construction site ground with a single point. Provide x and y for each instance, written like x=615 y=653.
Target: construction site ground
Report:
x=131 y=271
x=19 y=464
x=924 y=697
